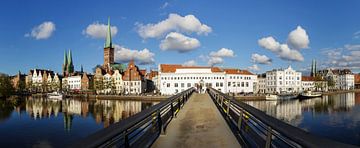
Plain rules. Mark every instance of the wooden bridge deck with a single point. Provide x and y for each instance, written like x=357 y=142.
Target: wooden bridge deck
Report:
x=199 y=124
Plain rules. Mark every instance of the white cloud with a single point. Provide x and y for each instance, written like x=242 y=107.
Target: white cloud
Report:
x=298 y=38
x=217 y=57
x=282 y=50
x=97 y=30
x=254 y=67
x=215 y=60
x=187 y=24
x=352 y=47
x=223 y=52
x=356 y=35
x=261 y=59
x=166 y=4
x=179 y=42
x=190 y=63
x=43 y=31
x=342 y=58
x=143 y=57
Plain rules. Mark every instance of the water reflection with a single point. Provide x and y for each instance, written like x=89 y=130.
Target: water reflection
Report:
x=334 y=116
x=103 y=111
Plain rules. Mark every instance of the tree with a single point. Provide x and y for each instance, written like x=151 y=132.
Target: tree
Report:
x=331 y=83
x=6 y=87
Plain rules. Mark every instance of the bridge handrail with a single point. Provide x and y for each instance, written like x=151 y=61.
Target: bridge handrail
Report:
x=268 y=128
x=144 y=126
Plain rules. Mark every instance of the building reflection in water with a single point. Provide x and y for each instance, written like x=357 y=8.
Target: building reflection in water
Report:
x=103 y=111
x=291 y=111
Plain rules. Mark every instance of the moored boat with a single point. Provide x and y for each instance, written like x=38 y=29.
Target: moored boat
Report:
x=309 y=94
x=55 y=95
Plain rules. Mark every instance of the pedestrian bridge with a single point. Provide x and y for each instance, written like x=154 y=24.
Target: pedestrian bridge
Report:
x=212 y=119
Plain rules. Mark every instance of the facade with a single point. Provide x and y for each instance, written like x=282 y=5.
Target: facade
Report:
x=308 y=83
x=338 y=79
x=74 y=83
x=117 y=82
x=39 y=80
x=177 y=78
x=261 y=84
x=283 y=81
x=86 y=82
x=108 y=50
x=134 y=79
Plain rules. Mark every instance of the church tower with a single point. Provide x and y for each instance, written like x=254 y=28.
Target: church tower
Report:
x=70 y=66
x=108 y=48
x=64 y=66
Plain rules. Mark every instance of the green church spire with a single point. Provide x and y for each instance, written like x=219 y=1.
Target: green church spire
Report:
x=69 y=58
x=108 y=42
x=65 y=58
x=70 y=66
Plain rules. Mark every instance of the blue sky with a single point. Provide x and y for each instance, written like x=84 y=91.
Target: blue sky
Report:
x=332 y=29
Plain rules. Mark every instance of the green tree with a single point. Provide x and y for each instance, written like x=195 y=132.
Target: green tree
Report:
x=331 y=83
x=6 y=87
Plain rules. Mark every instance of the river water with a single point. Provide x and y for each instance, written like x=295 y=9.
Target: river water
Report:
x=333 y=116
x=40 y=122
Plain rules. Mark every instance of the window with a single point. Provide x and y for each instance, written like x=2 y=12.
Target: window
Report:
x=168 y=85
x=242 y=84
x=221 y=84
x=182 y=85
x=189 y=85
x=247 y=84
x=229 y=83
x=176 y=85
x=217 y=84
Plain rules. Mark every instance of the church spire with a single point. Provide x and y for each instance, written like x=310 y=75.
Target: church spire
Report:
x=70 y=66
x=108 y=42
x=312 y=68
x=65 y=58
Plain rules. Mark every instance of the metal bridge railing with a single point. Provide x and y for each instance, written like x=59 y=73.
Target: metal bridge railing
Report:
x=140 y=130
x=254 y=128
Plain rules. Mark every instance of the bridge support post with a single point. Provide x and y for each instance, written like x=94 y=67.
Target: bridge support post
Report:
x=127 y=143
x=161 y=127
x=268 y=137
x=239 y=120
x=172 y=110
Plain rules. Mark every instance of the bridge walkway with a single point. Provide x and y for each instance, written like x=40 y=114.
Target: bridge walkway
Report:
x=199 y=124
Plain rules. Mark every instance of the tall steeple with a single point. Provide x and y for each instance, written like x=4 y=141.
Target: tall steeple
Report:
x=312 y=68
x=64 y=66
x=108 y=42
x=70 y=66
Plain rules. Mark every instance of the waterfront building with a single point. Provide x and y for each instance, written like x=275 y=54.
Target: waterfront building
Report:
x=338 y=79
x=37 y=80
x=176 y=78
x=152 y=81
x=261 y=84
x=117 y=82
x=74 y=83
x=108 y=84
x=283 y=80
x=87 y=81
x=357 y=81
x=134 y=79
x=308 y=83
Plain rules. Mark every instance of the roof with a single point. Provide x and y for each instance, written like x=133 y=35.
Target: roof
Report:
x=171 y=68
x=237 y=71
x=307 y=78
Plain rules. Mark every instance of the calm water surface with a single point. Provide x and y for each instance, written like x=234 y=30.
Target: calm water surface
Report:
x=39 y=122
x=335 y=116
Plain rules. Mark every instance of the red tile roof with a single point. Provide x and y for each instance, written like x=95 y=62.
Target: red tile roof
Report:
x=171 y=68
x=307 y=78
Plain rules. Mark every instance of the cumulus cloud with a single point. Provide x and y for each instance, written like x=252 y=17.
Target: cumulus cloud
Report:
x=190 y=63
x=179 y=42
x=143 y=57
x=254 y=68
x=223 y=52
x=215 y=60
x=187 y=24
x=42 y=31
x=261 y=59
x=97 y=30
x=217 y=57
x=352 y=47
x=342 y=57
x=298 y=38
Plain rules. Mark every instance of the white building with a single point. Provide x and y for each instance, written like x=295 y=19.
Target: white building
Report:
x=308 y=83
x=118 y=82
x=283 y=80
x=342 y=79
x=261 y=84
x=108 y=83
x=177 y=78
x=74 y=82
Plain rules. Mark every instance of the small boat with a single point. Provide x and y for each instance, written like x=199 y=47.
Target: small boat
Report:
x=310 y=94
x=55 y=95
x=280 y=96
x=271 y=97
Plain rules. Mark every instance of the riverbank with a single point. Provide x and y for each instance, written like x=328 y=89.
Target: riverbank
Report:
x=128 y=98
x=340 y=91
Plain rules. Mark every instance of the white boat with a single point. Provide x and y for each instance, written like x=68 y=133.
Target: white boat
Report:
x=280 y=96
x=55 y=95
x=271 y=97
x=310 y=94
